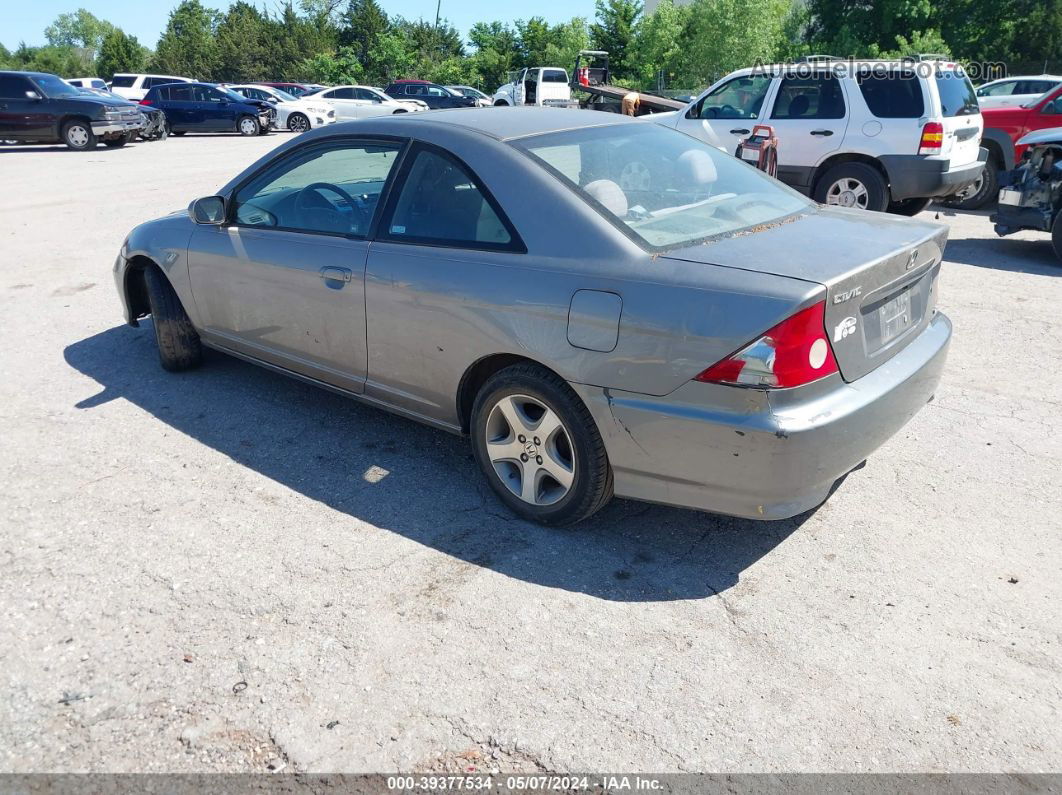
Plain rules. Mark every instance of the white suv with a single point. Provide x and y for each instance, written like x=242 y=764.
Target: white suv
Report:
x=135 y=87
x=878 y=135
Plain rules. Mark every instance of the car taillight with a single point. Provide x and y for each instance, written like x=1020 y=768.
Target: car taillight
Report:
x=932 y=139
x=145 y=102
x=795 y=352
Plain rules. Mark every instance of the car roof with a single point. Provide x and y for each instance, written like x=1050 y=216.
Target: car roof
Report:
x=26 y=74
x=504 y=124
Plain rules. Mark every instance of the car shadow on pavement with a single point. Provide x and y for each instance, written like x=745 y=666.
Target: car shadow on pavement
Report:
x=418 y=481
x=1006 y=254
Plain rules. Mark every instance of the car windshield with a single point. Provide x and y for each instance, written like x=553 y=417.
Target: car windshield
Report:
x=283 y=96
x=664 y=187
x=1040 y=98
x=55 y=87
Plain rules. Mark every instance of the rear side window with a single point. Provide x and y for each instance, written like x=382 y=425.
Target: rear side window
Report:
x=957 y=95
x=554 y=76
x=817 y=97
x=341 y=93
x=892 y=94
x=123 y=81
x=14 y=87
x=441 y=203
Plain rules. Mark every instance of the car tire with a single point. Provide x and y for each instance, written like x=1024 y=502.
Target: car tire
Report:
x=909 y=207
x=1056 y=235
x=178 y=133
x=78 y=135
x=400 y=110
x=982 y=192
x=248 y=126
x=298 y=122
x=853 y=185
x=514 y=403
x=178 y=341
x=118 y=143
x=501 y=103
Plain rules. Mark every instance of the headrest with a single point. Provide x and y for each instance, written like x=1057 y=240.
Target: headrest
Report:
x=609 y=194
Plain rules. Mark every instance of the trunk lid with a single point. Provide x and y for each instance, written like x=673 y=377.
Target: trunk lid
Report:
x=879 y=272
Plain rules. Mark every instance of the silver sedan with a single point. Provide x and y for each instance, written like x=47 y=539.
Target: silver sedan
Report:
x=605 y=306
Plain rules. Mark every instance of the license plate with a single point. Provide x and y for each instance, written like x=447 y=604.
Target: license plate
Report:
x=895 y=317
x=1011 y=197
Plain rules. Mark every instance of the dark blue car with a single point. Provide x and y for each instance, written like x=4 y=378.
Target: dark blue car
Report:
x=205 y=107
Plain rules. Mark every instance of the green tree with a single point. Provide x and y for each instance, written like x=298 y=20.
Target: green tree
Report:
x=659 y=42
x=565 y=41
x=243 y=43
x=78 y=29
x=496 y=53
x=363 y=22
x=393 y=57
x=724 y=35
x=534 y=38
x=293 y=40
x=188 y=46
x=119 y=52
x=613 y=31
x=342 y=68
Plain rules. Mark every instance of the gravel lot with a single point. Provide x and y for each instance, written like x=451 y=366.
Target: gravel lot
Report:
x=228 y=569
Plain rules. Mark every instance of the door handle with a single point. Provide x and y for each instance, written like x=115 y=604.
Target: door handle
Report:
x=335 y=274
x=822 y=132
x=739 y=131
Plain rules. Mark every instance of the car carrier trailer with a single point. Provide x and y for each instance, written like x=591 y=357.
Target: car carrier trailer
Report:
x=591 y=78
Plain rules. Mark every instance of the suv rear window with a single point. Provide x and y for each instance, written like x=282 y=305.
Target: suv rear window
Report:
x=957 y=95
x=123 y=81
x=892 y=94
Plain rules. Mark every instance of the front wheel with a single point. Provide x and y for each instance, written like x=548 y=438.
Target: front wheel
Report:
x=538 y=446
x=983 y=191
x=298 y=123
x=248 y=126
x=856 y=185
x=1056 y=235
x=78 y=135
x=178 y=341
x=909 y=207
x=118 y=143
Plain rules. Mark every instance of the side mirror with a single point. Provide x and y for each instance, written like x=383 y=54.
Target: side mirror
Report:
x=33 y=95
x=209 y=210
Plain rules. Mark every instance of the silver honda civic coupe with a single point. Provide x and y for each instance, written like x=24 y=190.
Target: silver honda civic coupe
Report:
x=605 y=306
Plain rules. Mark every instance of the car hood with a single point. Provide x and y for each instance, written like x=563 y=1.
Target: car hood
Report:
x=1049 y=135
x=99 y=100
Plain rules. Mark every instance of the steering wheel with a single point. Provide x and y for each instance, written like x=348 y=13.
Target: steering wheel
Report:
x=316 y=212
x=728 y=112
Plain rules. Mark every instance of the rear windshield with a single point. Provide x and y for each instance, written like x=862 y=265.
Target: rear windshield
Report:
x=892 y=93
x=957 y=95
x=123 y=81
x=662 y=187
x=554 y=76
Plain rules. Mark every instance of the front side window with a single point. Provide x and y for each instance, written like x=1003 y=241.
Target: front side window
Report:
x=53 y=86
x=332 y=189
x=740 y=98
x=366 y=95
x=436 y=91
x=441 y=203
x=180 y=93
x=891 y=93
x=123 y=81
x=662 y=187
x=809 y=98
x=15 y=87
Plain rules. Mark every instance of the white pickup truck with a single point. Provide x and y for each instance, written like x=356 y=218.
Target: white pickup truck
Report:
x=538 y=85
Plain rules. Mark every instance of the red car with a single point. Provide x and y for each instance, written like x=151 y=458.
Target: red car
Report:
x=1003 y=128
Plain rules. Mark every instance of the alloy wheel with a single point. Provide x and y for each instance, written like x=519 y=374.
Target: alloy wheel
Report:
x=298 y=123
x=78 y=135
x=530 y=449
x=848 y=192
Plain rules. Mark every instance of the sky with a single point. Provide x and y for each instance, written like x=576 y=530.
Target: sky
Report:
x=145 y=19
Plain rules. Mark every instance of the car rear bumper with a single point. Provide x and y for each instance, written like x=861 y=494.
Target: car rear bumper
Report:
x=916 y=177
x=759 y=454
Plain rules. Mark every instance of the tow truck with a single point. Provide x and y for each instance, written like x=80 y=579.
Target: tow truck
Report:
x=591 y=77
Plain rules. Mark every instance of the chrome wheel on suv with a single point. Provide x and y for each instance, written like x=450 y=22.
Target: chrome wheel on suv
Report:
x=848 y=192
x=853 y=184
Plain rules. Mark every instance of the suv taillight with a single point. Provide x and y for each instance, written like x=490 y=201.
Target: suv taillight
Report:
x=145 y=102
x=793 y=353
x=932 y=139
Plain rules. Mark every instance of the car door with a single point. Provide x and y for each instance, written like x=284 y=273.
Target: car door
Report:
x=342 y=99
x=440 y=233
x=218 y=109
x=180 y=107
x=283 y=280
x=809 y=116
x=370 y=105
x=19 y=115
x=726 y=114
